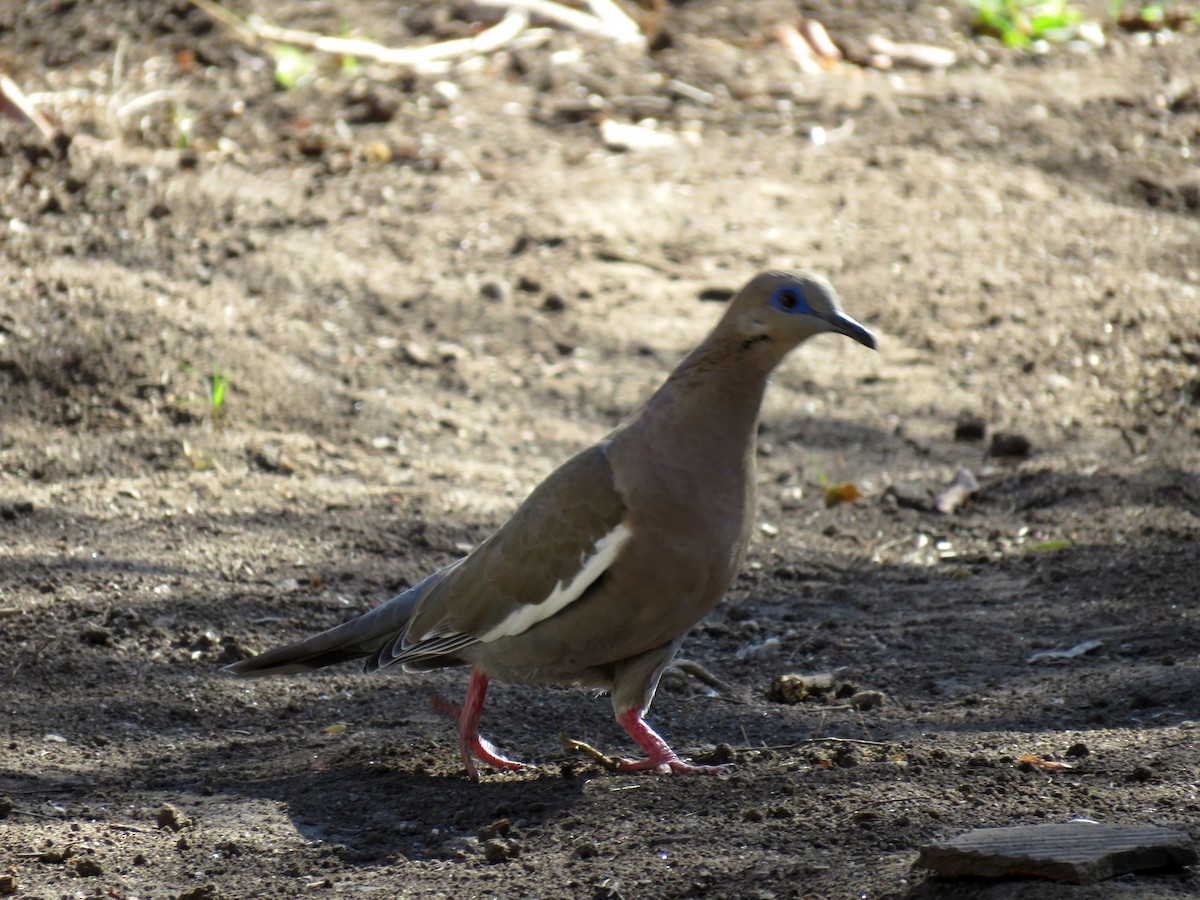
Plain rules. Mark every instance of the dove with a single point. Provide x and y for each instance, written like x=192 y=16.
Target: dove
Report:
x=601 y=572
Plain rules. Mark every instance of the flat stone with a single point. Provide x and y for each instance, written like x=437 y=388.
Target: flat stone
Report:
x=910 y=495
x=1076 y=852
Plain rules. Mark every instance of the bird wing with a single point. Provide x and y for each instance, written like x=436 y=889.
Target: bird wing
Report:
x=557 y=544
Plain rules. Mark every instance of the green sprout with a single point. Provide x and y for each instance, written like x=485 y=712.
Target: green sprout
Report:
x=185 y=129
x=1018 y=23
x=217 y=384
x=1051 y=546
x=1153 y=16
x=349 y=63
x=216 y=389
x=293 y=66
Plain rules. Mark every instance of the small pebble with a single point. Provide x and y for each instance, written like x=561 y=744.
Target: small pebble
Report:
x=867 y=699
x=716 y=295
x=968 y=427
x=169 y=817
x=95 y=635
x=1011 y=445
x=87 y=867
x=495 y=290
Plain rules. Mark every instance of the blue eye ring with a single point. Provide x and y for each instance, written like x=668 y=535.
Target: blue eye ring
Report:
x=790 y=299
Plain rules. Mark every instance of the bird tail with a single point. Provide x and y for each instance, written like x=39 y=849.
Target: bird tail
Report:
x=356 y=639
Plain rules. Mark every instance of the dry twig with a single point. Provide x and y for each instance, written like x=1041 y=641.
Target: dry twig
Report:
x=13 y=97
x=606 y=20
x=256 y=31
x=599 y=756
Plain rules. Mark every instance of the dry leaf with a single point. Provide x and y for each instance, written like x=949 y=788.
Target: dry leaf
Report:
x=836 y=494
x=1046 y=765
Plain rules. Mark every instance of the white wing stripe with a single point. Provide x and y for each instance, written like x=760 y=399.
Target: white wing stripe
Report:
x=527 y=615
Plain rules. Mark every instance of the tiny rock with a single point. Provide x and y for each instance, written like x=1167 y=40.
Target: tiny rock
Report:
x=794 y=688
x=1010 y=444
x=95 y=635
x=969 y=427
x=958 y=492
x=919 y=56
x=417 y=354
x=271 y=458
x=86 y=867
x=169 y=817
x=497 y=850
x=716 y=294
x=867 y=699
x=624 y=137
x=909 y=495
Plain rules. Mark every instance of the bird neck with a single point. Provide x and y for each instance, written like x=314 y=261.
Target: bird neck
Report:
x=709 y=405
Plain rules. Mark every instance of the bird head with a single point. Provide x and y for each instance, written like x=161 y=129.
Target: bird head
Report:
x=783 y=309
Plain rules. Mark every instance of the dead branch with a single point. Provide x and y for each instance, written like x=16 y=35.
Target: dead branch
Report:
x=16 y=99
x=609 y=20
x=256 y=31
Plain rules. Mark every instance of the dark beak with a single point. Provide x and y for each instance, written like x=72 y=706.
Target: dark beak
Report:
x=843 y=324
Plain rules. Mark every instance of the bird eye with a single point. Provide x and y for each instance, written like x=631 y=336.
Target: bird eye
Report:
x=789 y=299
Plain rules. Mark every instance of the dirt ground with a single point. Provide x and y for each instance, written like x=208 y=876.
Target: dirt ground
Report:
x=426 y=290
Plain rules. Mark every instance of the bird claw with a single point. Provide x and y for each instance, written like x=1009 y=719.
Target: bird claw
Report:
x=481 y=748
x=471 y=744
x=662 y=765
x=672 y=765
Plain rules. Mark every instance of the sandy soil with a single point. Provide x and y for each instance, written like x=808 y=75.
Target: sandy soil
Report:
x=427 y=290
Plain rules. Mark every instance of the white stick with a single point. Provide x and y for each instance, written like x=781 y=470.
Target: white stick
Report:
x=574 y=19
x=255 y=30
x=486 y=41
x=624 y=29
x=12 y=92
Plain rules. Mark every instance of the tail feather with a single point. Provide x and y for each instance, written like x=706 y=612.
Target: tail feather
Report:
x=356 y=639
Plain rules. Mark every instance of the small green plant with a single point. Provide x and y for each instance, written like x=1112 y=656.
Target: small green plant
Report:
x=1153 y=16
x=349 y=64
x=184 y=127
x=216 y=389
x=293 y=66
x=1018 y=23
x=217 y=384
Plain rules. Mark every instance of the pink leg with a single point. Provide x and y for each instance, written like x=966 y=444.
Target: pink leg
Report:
x=470 y=742
x=659 y=755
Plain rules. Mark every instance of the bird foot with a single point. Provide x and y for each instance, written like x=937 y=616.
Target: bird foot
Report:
x=668 y=764
x=471 y=744
x=482 y=749
x=671 y=765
